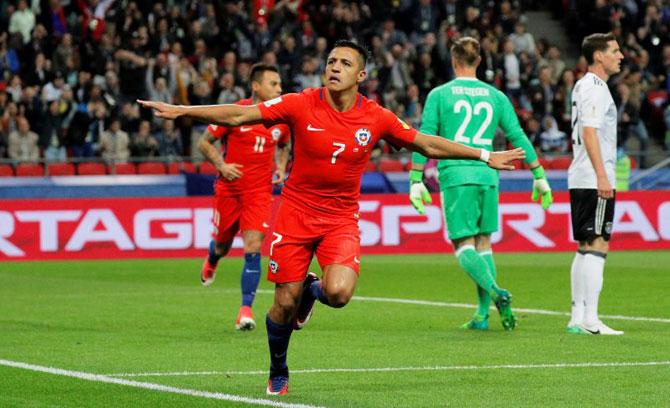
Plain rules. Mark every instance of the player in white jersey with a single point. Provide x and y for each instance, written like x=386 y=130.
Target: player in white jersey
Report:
x=591 y=179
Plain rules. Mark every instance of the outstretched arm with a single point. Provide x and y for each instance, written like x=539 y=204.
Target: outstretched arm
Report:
x=224 y=115
x=441 y=148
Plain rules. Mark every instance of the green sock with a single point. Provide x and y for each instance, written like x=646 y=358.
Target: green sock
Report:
x=475 y=266
x=482 y=295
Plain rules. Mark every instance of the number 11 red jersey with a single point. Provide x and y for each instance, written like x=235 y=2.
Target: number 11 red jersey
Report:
x=252 y=146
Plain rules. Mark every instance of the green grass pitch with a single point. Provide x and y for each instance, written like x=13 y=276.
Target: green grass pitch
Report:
x=152 y=316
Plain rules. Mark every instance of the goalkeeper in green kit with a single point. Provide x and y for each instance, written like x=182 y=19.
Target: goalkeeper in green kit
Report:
x=468 y=111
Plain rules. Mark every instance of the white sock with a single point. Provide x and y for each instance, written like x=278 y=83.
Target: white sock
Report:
x=577 y=288
x=593 y=266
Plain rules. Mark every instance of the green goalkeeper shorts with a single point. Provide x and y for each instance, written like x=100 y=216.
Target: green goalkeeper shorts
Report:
x=470 y=210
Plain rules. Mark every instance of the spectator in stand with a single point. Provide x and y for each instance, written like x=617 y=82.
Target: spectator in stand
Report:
x=22 y=21
x=563 y=100
x=552 y=140
x=40 y=73
x=64 y=51
x=308 y=77
x=22 y=144
x=424 y=20
x=541 y=94
x=51 y=139
x=143 y=144
x=390 y=36
x=114 y=143
x=490 y=69
x=512 y=72
x=629 y=120
x=230 y=93
x=581 y=68
x=132 y=69
x=9 y=120
x=556 y=64
x=78 y=137
x=533 y=129
x=424 y=75
x=522 y=40
x=663 y=71
x=169 y=141
x=159 y=89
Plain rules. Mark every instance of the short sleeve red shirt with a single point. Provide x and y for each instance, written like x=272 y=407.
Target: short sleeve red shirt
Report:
x=253 y=147
x=331 y=148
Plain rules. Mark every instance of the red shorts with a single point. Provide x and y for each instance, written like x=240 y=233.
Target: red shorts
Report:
x=246 y=212
x=298 y=235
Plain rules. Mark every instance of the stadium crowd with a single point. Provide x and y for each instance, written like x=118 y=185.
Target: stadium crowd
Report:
x=72 y=69
x=641 y=90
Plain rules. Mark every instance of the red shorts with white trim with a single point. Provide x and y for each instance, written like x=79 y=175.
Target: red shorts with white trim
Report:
x=299 y=235
x=246 y=212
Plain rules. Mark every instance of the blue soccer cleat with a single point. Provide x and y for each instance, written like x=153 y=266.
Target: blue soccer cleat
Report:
x=278 y=382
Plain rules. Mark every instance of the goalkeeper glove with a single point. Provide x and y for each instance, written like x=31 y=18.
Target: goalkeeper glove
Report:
x=418 y=193
x=541 y=188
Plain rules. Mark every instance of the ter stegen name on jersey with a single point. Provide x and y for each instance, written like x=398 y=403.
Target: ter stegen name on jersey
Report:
x=592 y=106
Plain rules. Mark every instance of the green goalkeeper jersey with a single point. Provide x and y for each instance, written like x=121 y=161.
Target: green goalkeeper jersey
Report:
x=468 y=111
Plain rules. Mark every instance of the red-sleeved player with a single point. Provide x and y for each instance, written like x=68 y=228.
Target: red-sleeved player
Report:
x=333 y=129
x=243 y=190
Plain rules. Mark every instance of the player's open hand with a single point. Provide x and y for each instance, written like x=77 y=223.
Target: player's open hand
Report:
x=418 y=195
x=230 y=171
x=162 y=109
x=504 y=160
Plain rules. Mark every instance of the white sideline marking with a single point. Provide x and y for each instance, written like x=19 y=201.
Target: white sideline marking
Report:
x=516 y=309
x=397 y=369
x=150 y=386
x=469 y=306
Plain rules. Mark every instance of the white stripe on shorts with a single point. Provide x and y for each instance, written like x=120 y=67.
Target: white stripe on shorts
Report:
x=600 y=215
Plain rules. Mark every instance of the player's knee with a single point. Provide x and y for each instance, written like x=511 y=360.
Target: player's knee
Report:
x=252 y=246
x=338 y=296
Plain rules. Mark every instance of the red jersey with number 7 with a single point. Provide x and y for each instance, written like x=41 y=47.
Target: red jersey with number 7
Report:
x=252 y=146
x=331 y=148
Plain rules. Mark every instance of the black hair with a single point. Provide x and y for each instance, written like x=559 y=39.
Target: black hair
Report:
x=361 y=49
x=595 y=42
x=257 y=71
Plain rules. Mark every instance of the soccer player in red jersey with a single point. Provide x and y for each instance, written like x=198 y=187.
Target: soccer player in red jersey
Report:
x=243 y=190
x=334 y=129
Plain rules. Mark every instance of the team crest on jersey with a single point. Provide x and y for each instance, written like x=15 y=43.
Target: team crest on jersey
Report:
x=363 y=136
x=274 y=266
x=275 y=134
x=608 y=227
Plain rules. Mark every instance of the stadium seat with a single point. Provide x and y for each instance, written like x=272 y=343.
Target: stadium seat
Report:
x=390 y=165
x=188 y=167
x=6 y=170
x=207 y=168
x=559 y=163
x=60 y=169
x=178 y=167
x=151 y=168
x=91 y=169
x=30 y=170
x=124 y=169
